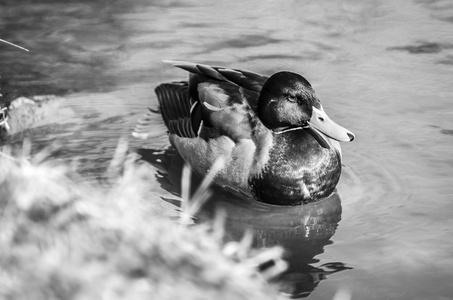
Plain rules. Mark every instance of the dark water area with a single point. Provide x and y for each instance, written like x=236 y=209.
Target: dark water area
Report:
x=382 y=69
x=73 y=46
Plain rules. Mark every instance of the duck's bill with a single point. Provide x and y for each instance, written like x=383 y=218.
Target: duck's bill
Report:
x=321 y=122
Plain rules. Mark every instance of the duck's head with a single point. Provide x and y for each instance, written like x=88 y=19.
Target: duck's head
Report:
x=288 y=101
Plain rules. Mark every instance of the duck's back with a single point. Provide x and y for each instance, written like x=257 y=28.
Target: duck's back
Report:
x=223 y=99
x=209 y=118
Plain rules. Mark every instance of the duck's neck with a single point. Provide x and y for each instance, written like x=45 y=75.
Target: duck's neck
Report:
x=283 y=129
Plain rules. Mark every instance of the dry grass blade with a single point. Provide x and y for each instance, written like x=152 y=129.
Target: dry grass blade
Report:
x=45 y=153
x=218 y=225
x=202 y=194
x=17 y=46
x=185 y=194
x=118 y=157
x=342 y=294
x=6 y=153
x=185 y=183
x=207 y=180
x=26 y=148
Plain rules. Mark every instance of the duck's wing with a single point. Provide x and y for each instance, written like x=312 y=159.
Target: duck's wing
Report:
x=224 y=99
x=175 y=107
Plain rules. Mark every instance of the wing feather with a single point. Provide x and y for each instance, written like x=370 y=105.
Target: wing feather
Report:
x=175 y=105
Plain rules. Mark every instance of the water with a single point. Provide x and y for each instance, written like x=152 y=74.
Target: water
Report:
x=382 y=69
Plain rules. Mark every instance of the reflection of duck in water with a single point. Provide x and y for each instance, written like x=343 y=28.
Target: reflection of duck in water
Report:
x=301 y=283
x=279 y=145
x=302 y=231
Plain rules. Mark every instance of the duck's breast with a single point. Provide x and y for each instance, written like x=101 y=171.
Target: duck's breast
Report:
x=298 y=170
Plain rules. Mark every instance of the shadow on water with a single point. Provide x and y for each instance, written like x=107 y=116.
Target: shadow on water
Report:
x=301 y=230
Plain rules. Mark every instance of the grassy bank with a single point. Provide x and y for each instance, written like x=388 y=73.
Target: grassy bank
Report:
x=61 y=238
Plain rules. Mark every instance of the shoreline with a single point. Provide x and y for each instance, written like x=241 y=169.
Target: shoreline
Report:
x=72 y=240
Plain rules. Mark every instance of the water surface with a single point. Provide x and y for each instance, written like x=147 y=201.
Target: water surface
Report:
x=382 y=69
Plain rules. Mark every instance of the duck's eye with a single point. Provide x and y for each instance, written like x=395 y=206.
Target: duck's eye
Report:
x=292 y=98
x=321 y=119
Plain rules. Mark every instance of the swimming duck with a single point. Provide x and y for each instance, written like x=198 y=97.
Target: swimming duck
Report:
x=277 y=142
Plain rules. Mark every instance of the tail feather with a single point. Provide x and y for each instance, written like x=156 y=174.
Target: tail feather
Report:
x=247 y=79
x=175 y=104
x=199 y=69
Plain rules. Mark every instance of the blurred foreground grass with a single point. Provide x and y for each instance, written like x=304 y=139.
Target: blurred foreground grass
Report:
x=61 y=238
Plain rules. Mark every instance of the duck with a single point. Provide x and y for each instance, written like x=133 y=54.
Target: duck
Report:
x=275 y=140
